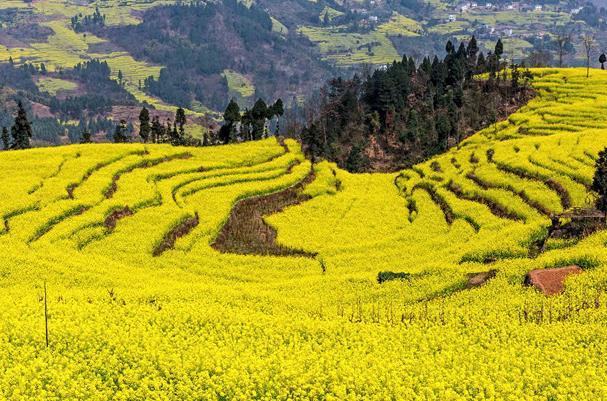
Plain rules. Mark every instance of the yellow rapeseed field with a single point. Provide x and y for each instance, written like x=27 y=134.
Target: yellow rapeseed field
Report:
x=196 y=324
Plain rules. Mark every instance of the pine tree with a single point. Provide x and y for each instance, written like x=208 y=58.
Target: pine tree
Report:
x=231 y=118
x=120 y=78
x=312 y=137
x=499 y=49
x=356 y=161
x=259 y=114
x=472 y=49
x=471 y=58
x=175 y=137
x=481 y=63
x=180 y=121
x=599 y=183
x=205 y=139
x=278 y=111
x=144 y=125
x=602 y=60
x=449 y=48
x=120 y=133
x=5 y=139
x=22 y=129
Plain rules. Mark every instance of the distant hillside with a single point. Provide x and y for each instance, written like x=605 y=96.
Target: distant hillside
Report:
x=199 y=45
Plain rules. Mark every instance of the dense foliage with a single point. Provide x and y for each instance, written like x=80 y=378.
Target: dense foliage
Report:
x=400 y=115
x=81 y=23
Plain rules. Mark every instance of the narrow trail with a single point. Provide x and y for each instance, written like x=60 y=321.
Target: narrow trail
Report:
x=553 y=185
x=181 y=229
x=57 y=171
x=73 y=186
x=448 y=213
x=495 y=208
x=111 y=189
x=541 y=209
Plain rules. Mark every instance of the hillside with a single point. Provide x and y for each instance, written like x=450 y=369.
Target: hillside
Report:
x=207 y=48
x=142 y=305
x=270 y=48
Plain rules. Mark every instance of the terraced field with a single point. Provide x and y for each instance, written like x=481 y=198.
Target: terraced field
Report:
x=144 y=303
x=66 y=48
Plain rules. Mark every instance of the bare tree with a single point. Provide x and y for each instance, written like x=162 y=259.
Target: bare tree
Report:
x=589 y=42
x=563 y=38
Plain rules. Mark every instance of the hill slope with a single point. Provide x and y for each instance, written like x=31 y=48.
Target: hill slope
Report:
x=194 y=323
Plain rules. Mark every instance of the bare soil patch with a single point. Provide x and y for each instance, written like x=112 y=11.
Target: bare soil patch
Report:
x=551 y=281
x=246 y=232
x=181 y=230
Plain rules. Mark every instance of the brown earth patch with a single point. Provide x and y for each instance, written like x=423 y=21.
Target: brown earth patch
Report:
x=112 y=219
x=41 y=111
x=551 y=281
x=246 y=232
x=181 y=230
x=479 y=279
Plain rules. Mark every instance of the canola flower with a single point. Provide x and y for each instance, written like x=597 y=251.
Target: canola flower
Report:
x=195 y=324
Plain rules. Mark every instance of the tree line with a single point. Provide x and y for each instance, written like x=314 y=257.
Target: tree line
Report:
x=404 y=113
x=81 y=23
x=249 y=125
x=152 y=130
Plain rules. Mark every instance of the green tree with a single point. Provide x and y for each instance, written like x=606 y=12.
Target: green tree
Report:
x=471 y=58
x=121 y=132
x=231 y=118
x=181 y=120
x=145 y=128
x=246 y=125
x=499 y=49
x=449 y=48
x=599 y=183
x=259 y=114
x=277 y=110
x=5 y=139
x=312 y=138
x=515 y=76
x=22 y=129
x=176 y=138
x=472 y=48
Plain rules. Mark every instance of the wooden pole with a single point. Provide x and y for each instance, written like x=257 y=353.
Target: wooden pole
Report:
x=45 y=315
